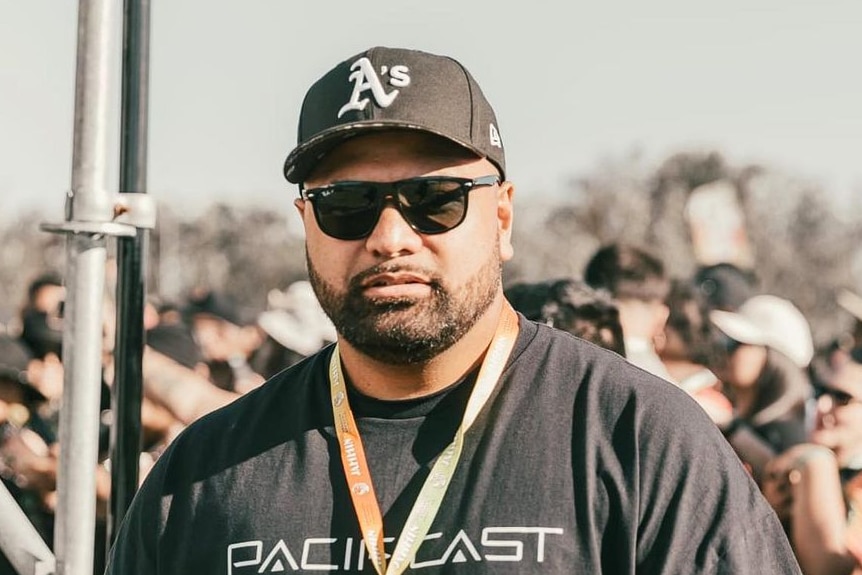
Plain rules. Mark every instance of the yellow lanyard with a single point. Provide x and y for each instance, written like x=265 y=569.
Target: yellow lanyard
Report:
x=431 y=496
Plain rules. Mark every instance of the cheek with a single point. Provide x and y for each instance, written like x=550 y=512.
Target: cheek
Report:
x=479 y=236
x=332 y=260
x=745 y=366
x=735 y=371
x=463 y=257
x=850 y=419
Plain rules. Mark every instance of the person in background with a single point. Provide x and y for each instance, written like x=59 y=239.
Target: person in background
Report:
x=767 y=346
x=639 y=286
x=816 y=487
x=688 y=351
x=443 y=432
x=851 y=338
x=28 y=456
x=42 y=315
x=295 y=326
x=725 y=285
x=226 y=337
x=176 y=377
x=573 y=306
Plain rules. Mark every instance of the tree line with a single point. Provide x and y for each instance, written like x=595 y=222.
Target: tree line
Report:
x=803 y=246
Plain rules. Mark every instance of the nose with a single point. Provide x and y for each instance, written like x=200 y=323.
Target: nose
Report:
x=392 y=236
x=825 y=407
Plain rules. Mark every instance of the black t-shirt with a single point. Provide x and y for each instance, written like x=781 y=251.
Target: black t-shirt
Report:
x=579 y=463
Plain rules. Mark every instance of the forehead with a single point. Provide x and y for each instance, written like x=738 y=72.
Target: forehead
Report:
x=848 y=378
x=392 y=155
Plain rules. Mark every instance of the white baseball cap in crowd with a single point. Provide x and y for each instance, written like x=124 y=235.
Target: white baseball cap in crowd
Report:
x=851 y=303
x=770 y=321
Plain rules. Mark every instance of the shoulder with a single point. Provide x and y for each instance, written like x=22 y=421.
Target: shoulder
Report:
x=604 y=392
x=554 y=352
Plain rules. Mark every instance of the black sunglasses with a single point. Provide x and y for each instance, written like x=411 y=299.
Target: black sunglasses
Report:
x=431 y=205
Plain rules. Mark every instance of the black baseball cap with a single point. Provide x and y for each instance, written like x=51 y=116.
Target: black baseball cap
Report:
x=392 y=88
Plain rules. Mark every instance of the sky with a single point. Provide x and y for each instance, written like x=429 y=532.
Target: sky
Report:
x=573 y=83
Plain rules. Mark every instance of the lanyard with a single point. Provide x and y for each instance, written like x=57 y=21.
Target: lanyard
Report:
x=428 y=502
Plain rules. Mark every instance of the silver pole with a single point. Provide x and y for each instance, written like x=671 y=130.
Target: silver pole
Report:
x=19 y=540
x=88 y=201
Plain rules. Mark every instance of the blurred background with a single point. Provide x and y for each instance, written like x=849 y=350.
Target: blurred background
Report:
x=707 y=131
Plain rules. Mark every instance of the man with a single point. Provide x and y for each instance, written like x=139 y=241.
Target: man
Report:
x=816 y=487
x=637 y=281
x=441 y=434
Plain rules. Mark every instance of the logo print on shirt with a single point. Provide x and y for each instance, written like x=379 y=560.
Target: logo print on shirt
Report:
x=528 y=545
x=364 y=78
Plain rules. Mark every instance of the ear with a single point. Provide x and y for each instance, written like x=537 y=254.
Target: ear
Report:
x=505 y=219
x=303 y=207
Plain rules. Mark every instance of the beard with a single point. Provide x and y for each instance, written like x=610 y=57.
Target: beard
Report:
x=407 y=330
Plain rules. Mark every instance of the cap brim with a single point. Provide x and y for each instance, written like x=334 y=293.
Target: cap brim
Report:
x=737 y=327
x=302 y=159
x=851 y=303
x=289 y=332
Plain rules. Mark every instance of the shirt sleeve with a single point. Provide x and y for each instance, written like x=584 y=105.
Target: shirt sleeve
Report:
x=700 y=511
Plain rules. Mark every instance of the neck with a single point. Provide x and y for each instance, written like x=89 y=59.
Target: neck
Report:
x=392 y=382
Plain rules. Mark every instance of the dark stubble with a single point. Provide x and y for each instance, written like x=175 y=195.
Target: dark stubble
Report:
x=407 y=330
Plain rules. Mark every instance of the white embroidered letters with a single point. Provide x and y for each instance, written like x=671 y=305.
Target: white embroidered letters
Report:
x=364 y=77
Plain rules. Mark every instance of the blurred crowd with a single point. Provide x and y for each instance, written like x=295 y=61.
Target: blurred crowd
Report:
x=200 y=354
x=791 y=410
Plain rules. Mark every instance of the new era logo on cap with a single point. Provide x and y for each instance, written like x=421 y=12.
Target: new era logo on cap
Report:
x=389 y=88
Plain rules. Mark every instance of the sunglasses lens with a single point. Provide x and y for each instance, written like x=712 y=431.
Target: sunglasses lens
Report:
x=347 y=212
x=350 y=210
x=433 y=206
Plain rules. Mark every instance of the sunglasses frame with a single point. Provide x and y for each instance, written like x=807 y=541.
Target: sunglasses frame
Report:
x=388 y=192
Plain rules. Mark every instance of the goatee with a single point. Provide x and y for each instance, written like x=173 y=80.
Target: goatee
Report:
x=407 y=330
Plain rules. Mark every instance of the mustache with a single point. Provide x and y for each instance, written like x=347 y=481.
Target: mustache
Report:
x=355 y=283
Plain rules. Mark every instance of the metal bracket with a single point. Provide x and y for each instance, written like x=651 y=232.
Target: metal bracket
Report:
x=132 y=211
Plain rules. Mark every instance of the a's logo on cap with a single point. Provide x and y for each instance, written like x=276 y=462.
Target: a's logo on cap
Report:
x=494 y=135
x=364 y=77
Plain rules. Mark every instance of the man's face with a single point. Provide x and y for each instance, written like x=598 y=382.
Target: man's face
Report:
x=397 y=295
x=839 y=415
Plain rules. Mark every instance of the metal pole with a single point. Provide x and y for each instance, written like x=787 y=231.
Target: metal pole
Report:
x=88 y=201
x=131 y=262
x=19 y=540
